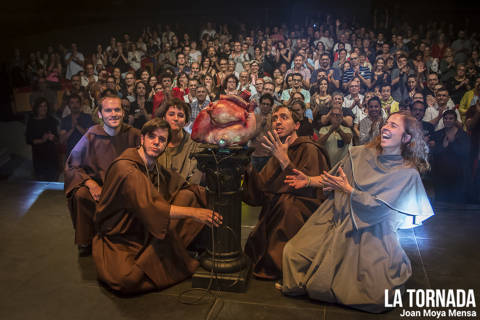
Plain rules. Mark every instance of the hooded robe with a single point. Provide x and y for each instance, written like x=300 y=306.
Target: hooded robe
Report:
x=138 y=247
x=284 y=209
x=348 y=252
x=90 y=159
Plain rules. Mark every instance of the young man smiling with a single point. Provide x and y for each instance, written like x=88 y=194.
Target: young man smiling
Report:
x=88 y=162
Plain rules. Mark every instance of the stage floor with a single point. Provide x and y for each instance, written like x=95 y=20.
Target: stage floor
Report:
x=42 y=276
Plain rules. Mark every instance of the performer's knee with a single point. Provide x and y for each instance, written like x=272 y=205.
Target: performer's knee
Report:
x=83 y=194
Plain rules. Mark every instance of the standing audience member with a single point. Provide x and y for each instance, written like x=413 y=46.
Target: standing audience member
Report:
x=74 y=61
x=74 y=126
x=450 y=160
x=41 y=134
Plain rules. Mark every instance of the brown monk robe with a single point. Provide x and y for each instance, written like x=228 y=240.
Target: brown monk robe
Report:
x=284 y=209
x=90 y=159
x=138 y=247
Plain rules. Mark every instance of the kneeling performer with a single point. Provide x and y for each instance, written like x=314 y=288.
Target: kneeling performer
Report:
x=146 y=218
x=348 y=251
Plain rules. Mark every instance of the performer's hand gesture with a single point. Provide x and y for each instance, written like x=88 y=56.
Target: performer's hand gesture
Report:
x=337 y=183
x=277 y=148
x=297 y=181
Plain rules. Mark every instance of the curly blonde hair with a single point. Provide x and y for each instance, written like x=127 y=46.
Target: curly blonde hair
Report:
x=414 y=152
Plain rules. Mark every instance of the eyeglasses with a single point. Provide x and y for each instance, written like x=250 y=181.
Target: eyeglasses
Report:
x=297 y=80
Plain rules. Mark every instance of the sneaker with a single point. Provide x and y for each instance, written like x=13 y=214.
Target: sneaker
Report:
x=84 y=250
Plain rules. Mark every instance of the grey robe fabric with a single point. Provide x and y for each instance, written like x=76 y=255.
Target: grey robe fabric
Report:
x=348 y=251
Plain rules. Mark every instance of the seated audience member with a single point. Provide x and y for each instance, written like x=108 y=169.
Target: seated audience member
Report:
x=434 y=113
x=176 y=156
x=201 y=102
x=348 y=251
x=164 y=95
x=472 y=122
x=141 y=108
x=88 y=162
x=388 y=103
x=470 y=98
x=78 y=89
x=334 y=137
x=300 y=68
x=323 y=116
x=263 y=119
x=41 y=90
x=41 y=134
x=146 y=218
x=306 y=127
x=296 y=87
x=450 y=160
x=283 y=211
x=370 y=126
x=357 y=71
x=74 y=126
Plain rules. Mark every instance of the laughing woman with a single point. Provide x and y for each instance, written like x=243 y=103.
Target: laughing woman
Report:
x=348 y=251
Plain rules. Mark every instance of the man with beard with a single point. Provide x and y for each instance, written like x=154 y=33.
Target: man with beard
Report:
x=146 y=217
x=284 y=210
x=86 y=166
x=370 y=126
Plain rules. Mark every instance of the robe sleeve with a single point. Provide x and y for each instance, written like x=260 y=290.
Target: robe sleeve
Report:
x=146 y=203
x=367 y=210
x=75 y=166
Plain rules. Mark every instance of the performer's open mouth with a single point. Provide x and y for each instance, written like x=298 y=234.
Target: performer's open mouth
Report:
x=386 y=135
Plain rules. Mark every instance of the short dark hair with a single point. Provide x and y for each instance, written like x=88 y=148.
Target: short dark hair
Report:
x=166 y=75
x=374 y=98
x=179 y=104
x=418 y=102
x=154 y=124
x=296 y=74
x=450 y=111
x=300 y=102
x=230 y=76
x=268 y=97
x=293 y=114
x=74 y=96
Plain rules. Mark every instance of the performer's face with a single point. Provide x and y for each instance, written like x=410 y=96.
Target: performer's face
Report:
x=112 y=112
x=282 y=122
x=393 y=134
x=154 y=143
x=175 y=118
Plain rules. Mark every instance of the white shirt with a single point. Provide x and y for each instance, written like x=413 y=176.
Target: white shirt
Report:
x=432 y=112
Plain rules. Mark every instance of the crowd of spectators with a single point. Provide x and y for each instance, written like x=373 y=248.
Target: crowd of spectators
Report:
x=343 y=81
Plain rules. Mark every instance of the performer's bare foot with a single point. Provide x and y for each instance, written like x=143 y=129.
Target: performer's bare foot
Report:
x=279 y=285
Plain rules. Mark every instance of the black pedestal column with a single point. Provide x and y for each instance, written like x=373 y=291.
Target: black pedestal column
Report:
x=224 y=266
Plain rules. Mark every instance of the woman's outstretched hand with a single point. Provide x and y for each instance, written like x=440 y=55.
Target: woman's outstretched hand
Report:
x=337 y=183
x=298 y=180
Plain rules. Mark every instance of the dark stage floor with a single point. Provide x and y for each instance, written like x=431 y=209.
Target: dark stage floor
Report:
x=43 y=278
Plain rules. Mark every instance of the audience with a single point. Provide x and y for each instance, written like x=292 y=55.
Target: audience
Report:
x=398 y=65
